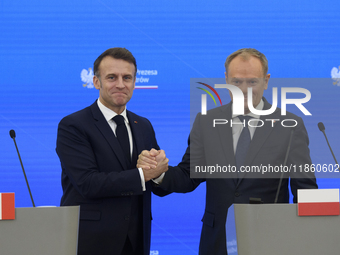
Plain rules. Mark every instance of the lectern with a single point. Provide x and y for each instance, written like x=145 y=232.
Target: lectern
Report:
x=268 y=229
x=41 y=231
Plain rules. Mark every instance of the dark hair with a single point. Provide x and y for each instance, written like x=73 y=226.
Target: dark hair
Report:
x=116 y=53
x=245 y=53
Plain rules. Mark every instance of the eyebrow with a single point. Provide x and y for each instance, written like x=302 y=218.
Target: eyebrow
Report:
x=114 y=74
x=247 y=79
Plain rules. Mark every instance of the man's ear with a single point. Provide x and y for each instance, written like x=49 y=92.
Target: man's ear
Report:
x=96 y=82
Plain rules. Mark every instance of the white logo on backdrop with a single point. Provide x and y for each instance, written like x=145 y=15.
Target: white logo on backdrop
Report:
x=335 y=73
x=87 y=77
x=143 y=79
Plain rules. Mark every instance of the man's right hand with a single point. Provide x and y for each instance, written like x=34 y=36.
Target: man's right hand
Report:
x=153 y=163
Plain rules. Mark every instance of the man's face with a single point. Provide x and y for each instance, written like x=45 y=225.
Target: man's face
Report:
x=245 y=73
x=116 y=83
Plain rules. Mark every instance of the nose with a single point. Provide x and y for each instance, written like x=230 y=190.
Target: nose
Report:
x=120 y=83
x=244 y=88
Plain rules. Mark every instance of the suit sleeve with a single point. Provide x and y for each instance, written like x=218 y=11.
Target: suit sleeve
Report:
x=177 y=179
x=300 y=156
x=89 y=165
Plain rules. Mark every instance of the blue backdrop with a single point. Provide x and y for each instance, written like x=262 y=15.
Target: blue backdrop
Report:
x=44 y=46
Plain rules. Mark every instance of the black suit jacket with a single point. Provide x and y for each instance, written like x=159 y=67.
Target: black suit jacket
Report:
x=97 y=176
x=209 y=146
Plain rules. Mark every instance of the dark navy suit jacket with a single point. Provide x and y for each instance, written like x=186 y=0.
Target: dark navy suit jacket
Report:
x=97 y=176
x=209 y=146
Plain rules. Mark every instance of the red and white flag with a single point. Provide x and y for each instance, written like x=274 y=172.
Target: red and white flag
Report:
x=316 y=202
x=7 y=206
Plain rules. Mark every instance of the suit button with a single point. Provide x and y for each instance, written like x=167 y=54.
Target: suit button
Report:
x=237 y=194
x=127 y=217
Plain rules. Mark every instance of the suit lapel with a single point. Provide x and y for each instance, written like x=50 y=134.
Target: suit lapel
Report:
x=108 y=134
x=137 y=134
x=226 y=137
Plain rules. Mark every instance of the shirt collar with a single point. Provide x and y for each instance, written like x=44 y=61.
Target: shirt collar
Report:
x=108 y=113
x=258 y=107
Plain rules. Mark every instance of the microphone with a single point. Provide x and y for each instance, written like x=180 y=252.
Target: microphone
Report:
x=284 y=164
x=322 y=129
x=12 y=134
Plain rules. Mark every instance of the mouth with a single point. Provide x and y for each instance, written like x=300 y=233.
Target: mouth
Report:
x=119 y=93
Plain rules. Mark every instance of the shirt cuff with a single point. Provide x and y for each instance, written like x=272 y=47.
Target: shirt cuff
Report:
x=159 y=179
x=142 y=178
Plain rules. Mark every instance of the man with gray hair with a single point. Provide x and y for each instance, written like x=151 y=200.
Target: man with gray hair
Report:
x=238 y=146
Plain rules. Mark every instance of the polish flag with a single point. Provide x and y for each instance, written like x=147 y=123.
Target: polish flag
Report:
x=7 y=207
x=317 y=202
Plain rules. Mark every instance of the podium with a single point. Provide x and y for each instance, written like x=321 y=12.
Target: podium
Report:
x=267 y=229
x=41 y=231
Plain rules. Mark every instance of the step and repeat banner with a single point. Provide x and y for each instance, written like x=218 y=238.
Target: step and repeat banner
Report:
x=47 y=50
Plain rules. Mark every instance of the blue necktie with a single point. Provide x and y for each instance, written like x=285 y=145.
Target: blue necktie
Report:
x=122 y=135
x=243 y=143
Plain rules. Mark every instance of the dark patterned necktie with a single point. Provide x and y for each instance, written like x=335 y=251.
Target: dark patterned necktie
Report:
x=122 y=135
x=243 y=143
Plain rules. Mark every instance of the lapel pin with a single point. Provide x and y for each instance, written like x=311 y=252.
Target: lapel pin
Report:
x=135 y=122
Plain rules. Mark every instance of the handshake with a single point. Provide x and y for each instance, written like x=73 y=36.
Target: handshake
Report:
x=153 y=163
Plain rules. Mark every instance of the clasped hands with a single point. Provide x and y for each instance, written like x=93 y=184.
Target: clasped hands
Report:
x=153 y=163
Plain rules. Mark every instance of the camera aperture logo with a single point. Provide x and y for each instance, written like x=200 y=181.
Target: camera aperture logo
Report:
x=204 y=97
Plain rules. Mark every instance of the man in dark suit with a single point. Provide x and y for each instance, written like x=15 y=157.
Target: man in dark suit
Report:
x=98 y=148
x=239 y=146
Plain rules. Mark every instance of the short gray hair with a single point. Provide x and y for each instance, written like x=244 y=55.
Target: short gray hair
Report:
x=245 y=53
